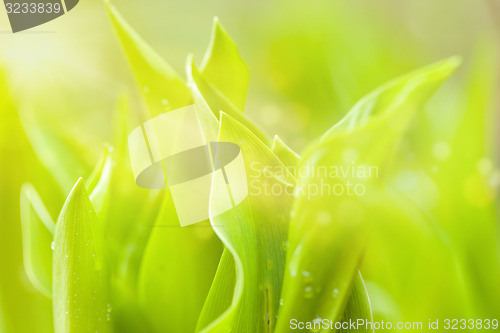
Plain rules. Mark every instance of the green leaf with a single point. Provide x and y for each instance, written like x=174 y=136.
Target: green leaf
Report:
x=329 y=228
x=81 y=301
x=289 y=158
x=37 y=227
x=160 y=85
x=458 y=133
x=358 y=306
x=254 y=232
x=220 y=296
x=129 y=315
x=208 y=119
x=96 y=173
x=223 y=67
x=100 y=179
x=396 y=101
x=176 y=272
x=203 y=90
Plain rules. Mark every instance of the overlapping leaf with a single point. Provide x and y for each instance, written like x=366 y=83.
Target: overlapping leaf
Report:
x=254 y=232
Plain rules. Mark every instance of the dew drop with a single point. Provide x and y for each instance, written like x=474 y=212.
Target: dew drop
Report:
x=53 y=245
x=308 y=292
x=307 y=277
x=335 y=293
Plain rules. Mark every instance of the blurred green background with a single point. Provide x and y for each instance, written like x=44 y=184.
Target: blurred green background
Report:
x=310 y=61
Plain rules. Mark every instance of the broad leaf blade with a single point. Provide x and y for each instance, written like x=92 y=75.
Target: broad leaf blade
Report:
x=187 y=258
x=254 y=232
x=81 y=301
x=329 y=228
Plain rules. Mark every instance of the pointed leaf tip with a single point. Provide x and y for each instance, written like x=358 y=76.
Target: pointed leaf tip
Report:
x=81 y=301
x=162 y=88
x=223 y=67
x=395 y=101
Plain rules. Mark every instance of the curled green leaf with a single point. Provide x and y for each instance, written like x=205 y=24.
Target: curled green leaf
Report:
x=254 y=232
